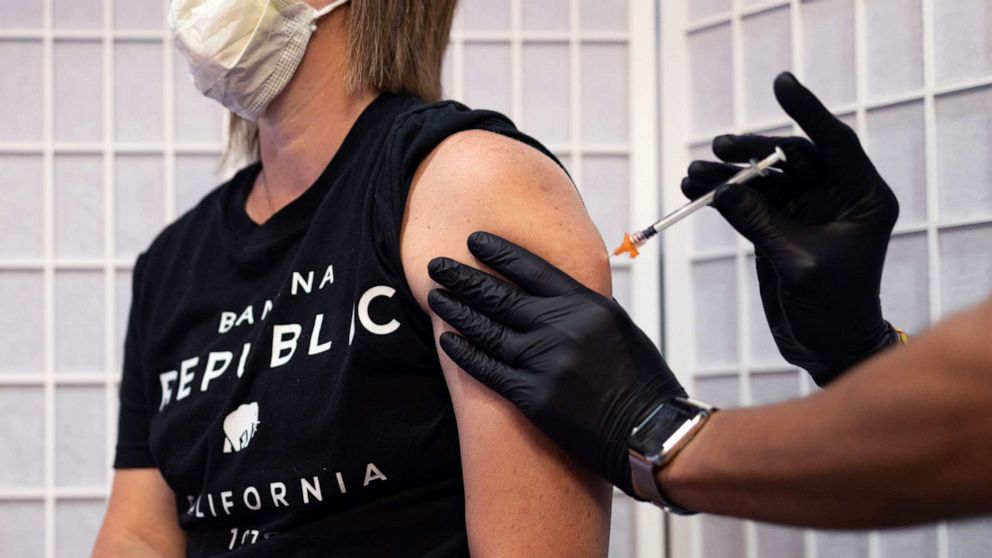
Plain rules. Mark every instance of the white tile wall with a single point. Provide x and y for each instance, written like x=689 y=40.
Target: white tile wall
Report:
x=96 y=110
x=918 y=89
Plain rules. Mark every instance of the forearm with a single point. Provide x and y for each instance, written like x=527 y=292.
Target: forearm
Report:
x=904 y=438
x=141 y=518
x=113 y=543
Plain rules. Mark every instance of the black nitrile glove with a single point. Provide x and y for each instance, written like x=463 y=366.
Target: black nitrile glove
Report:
x=820 y=233
x=569 y=358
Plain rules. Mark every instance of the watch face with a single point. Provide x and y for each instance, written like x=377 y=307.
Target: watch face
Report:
x=654 y=432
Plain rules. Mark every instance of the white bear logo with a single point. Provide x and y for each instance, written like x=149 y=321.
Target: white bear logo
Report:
x=240 y=427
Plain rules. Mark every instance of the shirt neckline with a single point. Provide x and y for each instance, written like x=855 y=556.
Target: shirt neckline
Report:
x=295 y=215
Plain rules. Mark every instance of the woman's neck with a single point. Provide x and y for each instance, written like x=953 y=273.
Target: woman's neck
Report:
x=304 y=126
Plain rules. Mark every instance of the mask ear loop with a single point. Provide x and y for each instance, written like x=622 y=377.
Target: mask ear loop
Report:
x=324 y=11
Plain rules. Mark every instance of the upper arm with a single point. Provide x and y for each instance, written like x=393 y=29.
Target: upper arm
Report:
x=523 y=495
x=141 y=518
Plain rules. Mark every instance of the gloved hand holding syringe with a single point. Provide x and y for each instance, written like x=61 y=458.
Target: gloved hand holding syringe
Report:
x=757 y=169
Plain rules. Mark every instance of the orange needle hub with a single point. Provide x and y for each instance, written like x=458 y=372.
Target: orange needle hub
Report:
x=627 y=247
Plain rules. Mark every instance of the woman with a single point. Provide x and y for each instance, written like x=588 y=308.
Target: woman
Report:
x=282 y=392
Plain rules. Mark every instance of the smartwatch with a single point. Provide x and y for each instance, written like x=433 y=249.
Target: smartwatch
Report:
x=656 y=440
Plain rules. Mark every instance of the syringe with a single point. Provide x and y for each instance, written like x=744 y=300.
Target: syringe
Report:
x=631 y=242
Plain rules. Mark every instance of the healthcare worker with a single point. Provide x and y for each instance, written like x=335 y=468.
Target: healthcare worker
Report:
x=902 y=437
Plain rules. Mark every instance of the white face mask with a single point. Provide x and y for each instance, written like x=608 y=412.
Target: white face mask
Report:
x=243 y=52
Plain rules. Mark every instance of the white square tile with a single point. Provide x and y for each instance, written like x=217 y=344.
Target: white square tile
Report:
x=711 y=74
x=841 y=544
x=605 y=94
x=711 y=232
x=79 y=218
x=22 y=528
x=485 y=15
x=487 y=76
x=964 y=155
x=969 y=538
x=774 y=387
x=80 y=436
x=721 y=391
x=140 y=14
x=79 y=314
x=920 y=542
x=21 y=88
x=138 y=91
x=895 y=46
x=774 y=541
x=699 y=9
x=603 y=15
x=715 y=301
x=78 y=91
x=20 y=14
x=722 y=537
x=20 y=206
x=546 y=101
x=965 y=267
x=963 y=30
x=767 y=39
x=21 y=319
x=78 y=14
x=21 y=421
x=546 y=15
x=76 y=525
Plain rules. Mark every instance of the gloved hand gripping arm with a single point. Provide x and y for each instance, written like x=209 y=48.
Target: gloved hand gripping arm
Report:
x=569 y=358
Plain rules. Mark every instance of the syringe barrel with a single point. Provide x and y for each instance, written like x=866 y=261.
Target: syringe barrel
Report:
x=684 y=211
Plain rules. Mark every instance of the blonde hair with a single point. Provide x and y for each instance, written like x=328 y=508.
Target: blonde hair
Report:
x=394 y=46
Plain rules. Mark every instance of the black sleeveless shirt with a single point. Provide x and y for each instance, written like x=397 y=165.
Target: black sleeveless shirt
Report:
x=283 y=378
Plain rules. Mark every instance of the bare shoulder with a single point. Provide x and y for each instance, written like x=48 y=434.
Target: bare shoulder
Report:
x=479 y=180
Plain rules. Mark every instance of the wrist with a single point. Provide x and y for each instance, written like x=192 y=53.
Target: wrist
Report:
x=874 y=340
x=631 y=414
x=658 y=439
x=684 y=481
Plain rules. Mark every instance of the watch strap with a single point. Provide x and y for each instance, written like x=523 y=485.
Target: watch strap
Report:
x=679 y=420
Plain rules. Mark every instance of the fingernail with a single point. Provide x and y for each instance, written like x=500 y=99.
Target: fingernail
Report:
x=479 y=237
x=725 y=139
x=450 y=342
x=436 y=298
x=696 y=167
x=438 y=267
